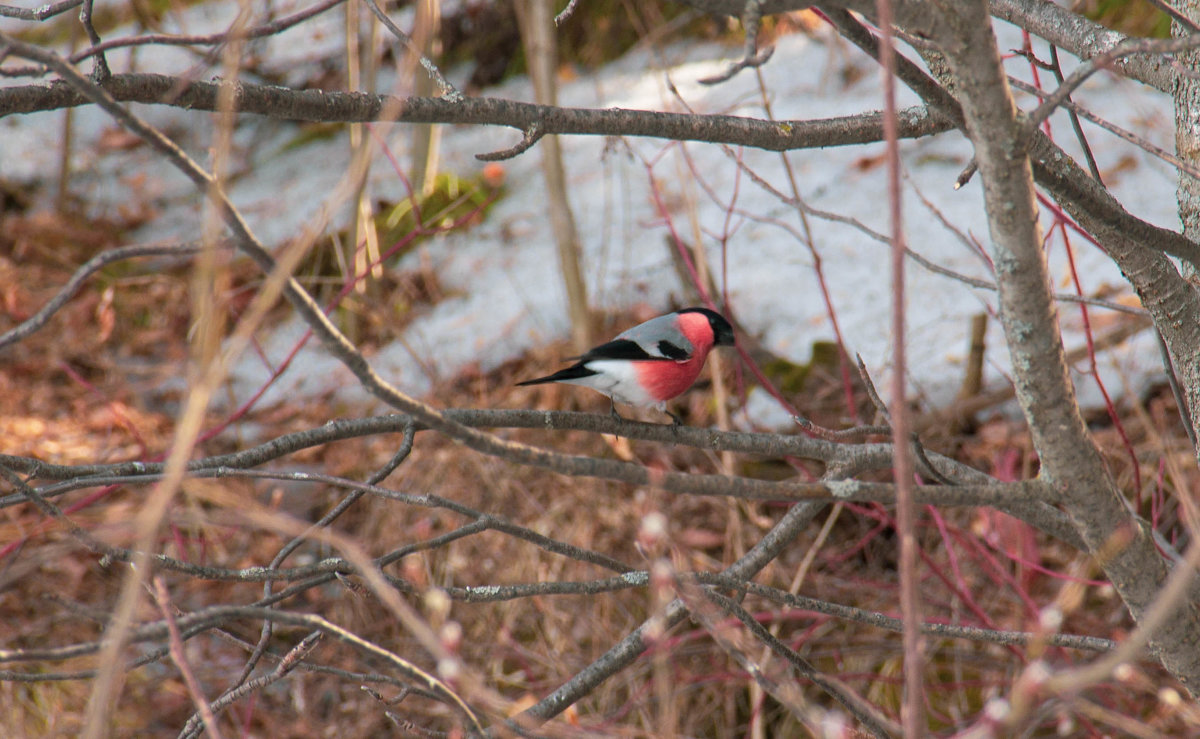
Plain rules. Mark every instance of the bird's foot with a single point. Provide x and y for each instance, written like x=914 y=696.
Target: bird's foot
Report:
x=612 y=411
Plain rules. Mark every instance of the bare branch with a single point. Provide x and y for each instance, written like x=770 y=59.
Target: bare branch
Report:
x=533 y=134
x=918 y=449
x=751 y=57
x=329 y=566
x=1131 y=137
x=641 y=579
x=163 y=39
x=992 y=636
x=95 y=264
x=848 y=459
x=1176 y=16
x=1068 y=455
x=100 y=71
x=1008 y=496
x=566 y=13
x=39 y=13
x=858 y=457
x=853 y=433
x=628 y=649
x=179 y=657
x=1124 y=49
x=867 y=714
x=352 y=107
x=1173 y=380
x=289 y=662
x=208 y=618
x=1076 y=126
x=449 y=92
x=1092 y=205
x=1139 y=248
x=749 y=62
x=1082 y=37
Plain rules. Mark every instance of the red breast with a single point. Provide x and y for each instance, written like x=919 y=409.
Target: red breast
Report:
x=664 y=380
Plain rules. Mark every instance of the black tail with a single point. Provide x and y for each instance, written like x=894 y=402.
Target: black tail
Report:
x=573 y=372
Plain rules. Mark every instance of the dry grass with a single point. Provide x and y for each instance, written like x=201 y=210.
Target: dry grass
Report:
x=75 y=398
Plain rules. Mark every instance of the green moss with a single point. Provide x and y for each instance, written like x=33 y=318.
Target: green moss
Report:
x=451 y=199
x=1132 y=17
x=790 y=377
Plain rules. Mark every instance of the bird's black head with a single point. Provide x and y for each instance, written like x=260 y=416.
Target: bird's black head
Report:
x=722 y=331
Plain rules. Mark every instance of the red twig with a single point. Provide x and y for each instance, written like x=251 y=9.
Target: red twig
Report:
x=113 y=407
x=178 y=656
x=912 y=716
x=1094 y=370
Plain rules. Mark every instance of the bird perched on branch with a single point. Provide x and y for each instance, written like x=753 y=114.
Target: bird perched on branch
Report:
x=650 y=363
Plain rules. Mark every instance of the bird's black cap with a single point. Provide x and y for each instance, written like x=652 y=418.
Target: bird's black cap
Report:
x=722 y=331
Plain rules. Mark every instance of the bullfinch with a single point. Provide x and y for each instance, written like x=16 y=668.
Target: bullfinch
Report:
x=650 y=363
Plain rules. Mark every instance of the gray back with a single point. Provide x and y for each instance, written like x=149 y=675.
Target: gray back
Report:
x=664 y=328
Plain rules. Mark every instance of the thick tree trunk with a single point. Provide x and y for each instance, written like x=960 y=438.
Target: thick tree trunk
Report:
x=1187 y=129
x=1070 y=460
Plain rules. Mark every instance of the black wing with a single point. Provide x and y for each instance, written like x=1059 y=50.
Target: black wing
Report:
x=631 y=350
x=618 y=349
x=574 y=372
x=615 y=349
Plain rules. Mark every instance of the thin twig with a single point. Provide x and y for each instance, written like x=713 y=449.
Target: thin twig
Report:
x=566 y=13
x=39 y=319
x=851 y=459
x=401 y=454
x=1056 y=70
x=289 y=662
x=40 y=13
x=208 y=618
x=1128 y=47
x=449 y=92
x=1175 y=14
x=1052 y=168
x=631 y=647
x=866 y=713
x=332 y=565
x=965 y=176
x=179 y=657
x=100 y=70
x=1014 y=496
x=850 y=434
x=1138 y=141
x=632 y=580
x=163 y=39
x=1173 y=381
x=880 y=407
x=926 y=467
x=533 y=133
x=751 y=57
x=49 y=509
x=882 y=621
x=913 y=712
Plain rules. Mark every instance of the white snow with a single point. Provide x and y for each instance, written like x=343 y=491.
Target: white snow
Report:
x=503 y=276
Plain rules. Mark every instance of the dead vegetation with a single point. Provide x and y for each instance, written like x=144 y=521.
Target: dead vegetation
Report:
x=979 y=567
x=514 y=579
